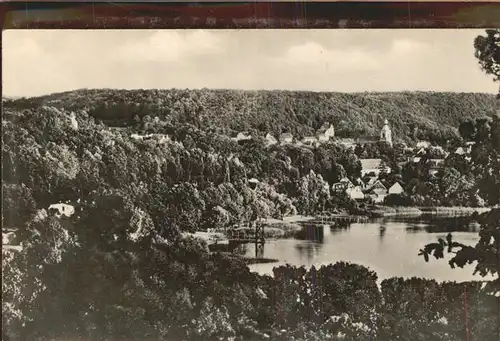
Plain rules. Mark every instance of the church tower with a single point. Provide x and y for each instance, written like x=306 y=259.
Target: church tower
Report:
x=386 y=134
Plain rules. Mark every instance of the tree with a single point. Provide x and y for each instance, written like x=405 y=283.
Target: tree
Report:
x=486 y=166
x=467 y=130
x=455 y=188
x=314 y=193
x=18 y=205
x=184 y=207
x=488 y=53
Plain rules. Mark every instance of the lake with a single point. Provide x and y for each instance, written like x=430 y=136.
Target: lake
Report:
x=389 y=246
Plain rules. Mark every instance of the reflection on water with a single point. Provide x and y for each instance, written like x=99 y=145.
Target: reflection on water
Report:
x=382 y=230
x=308 y=250
x=442 y=224
x=388 y=246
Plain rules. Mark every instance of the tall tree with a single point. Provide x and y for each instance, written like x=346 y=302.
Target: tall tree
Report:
x=485 y=157
x=488 y=53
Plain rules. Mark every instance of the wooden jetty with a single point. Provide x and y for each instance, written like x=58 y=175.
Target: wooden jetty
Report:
x=330 y=219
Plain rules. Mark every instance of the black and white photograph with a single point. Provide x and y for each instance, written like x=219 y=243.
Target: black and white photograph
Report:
x=224 y=184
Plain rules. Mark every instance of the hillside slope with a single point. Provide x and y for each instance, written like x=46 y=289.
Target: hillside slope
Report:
x=412 y=115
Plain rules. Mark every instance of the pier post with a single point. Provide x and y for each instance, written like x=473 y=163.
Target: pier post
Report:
x=259 y=240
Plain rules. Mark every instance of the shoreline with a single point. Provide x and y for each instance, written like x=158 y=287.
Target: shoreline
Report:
x=388 y=211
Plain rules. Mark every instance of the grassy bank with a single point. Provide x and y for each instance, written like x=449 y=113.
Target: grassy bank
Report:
x=385 y=211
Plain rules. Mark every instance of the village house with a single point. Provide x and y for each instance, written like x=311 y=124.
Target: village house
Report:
x=359 y=182
x=242 y=136
x=439 y=150
x=270 y=140
x=286 y=138
x=325 y=132
x=62 y=209
x=342 y=185
x=369 y=166
x=253 y=183
x=370 y=181
x=408 y=150
x=436 y=166
x=436 y=162
x=339 y=187
x=396 y=188
x=309 y=140
x=159 y=138
x=347 y=182
x=346 y=185
x=465 y=150
x=137 y=136
x=356 y=193
x=377 y=192
x=423 y=144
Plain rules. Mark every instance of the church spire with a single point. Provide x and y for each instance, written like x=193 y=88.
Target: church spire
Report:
x=386 y=133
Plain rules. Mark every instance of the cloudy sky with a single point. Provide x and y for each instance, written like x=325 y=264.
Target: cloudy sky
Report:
x=46 y=61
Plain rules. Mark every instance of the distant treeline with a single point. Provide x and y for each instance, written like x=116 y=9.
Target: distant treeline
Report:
x=431 y=116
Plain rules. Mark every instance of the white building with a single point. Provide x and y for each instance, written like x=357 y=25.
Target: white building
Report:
x=355 y=193
x=63 y=209
x=325 y=132
x=242 y=136
x=160 y=138
x=348 y=183
x=386 y=133
x=286 y=138
x=270 y=140
x=378 y=192
x=423 y=144
x=311 y=140
x=396 y=189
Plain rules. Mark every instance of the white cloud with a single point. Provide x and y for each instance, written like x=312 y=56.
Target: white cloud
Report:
x=354 y=59
x=169 y=46
x=312 y=53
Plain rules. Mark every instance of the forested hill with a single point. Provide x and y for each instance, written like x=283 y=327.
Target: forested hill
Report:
x=412 y=115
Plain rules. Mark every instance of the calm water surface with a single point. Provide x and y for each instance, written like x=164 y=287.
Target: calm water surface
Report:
x=388 y=246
